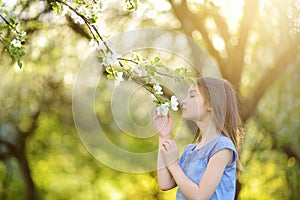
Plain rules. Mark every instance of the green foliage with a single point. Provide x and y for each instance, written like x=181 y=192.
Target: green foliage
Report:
x=61 y=166
x=13 y=46
x=131 y=5
x=57 y=7
x=271 y=148
x=112 y=72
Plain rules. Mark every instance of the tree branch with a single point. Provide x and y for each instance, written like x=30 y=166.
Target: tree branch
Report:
x=191 y=22
x=269 y=77
x=77 y=28
x=237 y=54
x=222 y=26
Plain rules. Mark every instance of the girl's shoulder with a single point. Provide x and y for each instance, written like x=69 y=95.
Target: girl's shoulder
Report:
x=223 y=143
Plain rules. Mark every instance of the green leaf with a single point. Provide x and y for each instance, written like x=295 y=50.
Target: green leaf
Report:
x=135 y=57
x=192 y=80
x=56 y=7
x=156 y=59
x=109 y=76
x=93 y=20
x=131 y=5
x=53 y=4
x=126 y=68
x=6 y=40
x=109 y=70
x=12 y=57
x=78 y=2
x=12 y=21
x=148 y=80
x=158 y=78
x=19 y=64
x=156 y=101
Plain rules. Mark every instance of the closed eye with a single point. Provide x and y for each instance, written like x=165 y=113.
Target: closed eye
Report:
x=192 y=93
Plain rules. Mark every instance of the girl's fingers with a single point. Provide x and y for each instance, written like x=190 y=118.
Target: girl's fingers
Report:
x=169 y=145
x=166 y=144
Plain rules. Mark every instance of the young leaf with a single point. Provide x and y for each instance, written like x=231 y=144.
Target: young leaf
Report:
x=109 y=76
x=158 y=78
x=156 y=59
x=148 y=80
x=109 y=70
x=19 y=64
x=12 y=21
x=53 y=4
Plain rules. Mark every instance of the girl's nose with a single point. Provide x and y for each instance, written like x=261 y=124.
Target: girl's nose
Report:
x=183 y=102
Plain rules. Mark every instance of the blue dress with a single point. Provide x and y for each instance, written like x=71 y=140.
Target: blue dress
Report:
x=194 y=162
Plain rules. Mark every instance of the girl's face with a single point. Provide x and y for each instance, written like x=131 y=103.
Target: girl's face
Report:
x=193 y=106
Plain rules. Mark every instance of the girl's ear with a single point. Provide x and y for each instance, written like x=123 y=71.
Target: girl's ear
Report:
x=209 y=108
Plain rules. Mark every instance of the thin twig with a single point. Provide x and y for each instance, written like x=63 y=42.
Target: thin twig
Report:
x=129 y=60
x=90 y=26
x=9 y=24
x=4 y=44
x=136 y=80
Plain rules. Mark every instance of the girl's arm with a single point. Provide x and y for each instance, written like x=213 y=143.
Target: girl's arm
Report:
x=164 y=128
x=210 y=179
x=165 y=179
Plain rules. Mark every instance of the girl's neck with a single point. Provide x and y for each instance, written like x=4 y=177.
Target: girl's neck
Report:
x=209 y=131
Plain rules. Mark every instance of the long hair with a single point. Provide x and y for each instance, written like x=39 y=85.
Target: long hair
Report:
x=221 y=97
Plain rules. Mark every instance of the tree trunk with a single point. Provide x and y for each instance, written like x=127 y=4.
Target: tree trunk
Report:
x=25 y=170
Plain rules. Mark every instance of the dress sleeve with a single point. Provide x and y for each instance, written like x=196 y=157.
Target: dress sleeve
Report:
x=223 y=143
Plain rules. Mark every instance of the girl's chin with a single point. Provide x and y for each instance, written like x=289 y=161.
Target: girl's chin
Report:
x=185 y=117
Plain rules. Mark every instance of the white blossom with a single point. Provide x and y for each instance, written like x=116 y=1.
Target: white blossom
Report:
x=125 y=5
x=76 y=18
x=157 y=89
x=94 y=43
x=174 y=103
x=65 y=10
x=2 y=11
x=84 y=11
x=107 y=59
x=119 y=78
x=163 y=109
x=137 y=69
x=22 y=34
x=297 y=23
x=16 y=43
x=96 y=8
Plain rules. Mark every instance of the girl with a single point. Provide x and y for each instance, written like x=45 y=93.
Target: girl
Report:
x=207 y=169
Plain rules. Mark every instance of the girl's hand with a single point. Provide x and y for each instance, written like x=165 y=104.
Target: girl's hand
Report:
x=169 y=152
x=163 y=124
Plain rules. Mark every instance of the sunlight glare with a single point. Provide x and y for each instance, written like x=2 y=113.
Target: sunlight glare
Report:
x=232 y=11
x=161 y=5
x=218 y=43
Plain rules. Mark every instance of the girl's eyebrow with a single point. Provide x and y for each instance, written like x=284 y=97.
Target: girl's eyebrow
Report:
x=193 y=90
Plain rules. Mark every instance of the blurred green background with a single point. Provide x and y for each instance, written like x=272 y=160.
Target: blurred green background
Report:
x=254 y=44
